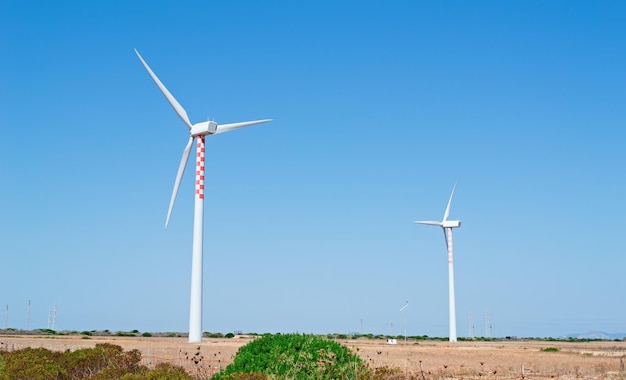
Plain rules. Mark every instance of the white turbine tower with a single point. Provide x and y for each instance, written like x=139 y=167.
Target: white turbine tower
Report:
x=199 y=131
x=447 y=226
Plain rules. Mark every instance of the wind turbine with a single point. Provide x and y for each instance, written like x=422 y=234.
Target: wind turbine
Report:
x=403 y=311
x=447 y=226
x=196 y=131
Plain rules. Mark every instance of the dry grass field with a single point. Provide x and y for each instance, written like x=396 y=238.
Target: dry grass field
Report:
x=423 y=360
x=498 y=360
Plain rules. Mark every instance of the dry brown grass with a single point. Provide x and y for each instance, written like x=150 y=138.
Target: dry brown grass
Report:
x=497 y=360
x=437 y=360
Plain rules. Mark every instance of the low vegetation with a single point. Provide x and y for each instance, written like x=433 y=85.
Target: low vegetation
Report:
x=550 y=349
x=294 y=356
x=290 y=356
x=104 y=361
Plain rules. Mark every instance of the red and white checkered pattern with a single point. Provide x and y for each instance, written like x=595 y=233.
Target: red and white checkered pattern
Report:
x=449 y=240
x=200 y=168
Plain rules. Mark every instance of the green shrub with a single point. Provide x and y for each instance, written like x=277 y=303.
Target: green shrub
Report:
x=33 y=364
x=46 y=331
x=160 y=372
x=294 y=356
x=247 y=376
x=105 y=361
x=550 y=349
x=229 y=335
x=146 y=335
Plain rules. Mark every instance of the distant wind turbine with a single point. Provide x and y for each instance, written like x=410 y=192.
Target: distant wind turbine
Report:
x=447 y=226
x=405 y=306
x=199 y=131
x=403 y=311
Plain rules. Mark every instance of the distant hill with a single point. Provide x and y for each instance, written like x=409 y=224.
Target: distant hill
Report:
x=597 y=335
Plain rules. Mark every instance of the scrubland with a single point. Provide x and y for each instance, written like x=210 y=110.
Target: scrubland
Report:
x=423 y=359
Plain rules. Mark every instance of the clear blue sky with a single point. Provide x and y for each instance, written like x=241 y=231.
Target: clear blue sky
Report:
x=378 y=108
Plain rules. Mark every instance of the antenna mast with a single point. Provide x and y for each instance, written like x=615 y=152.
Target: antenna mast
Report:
x=54 y=318
x=6 y=318
x=28 y=317
x=487 y=325
x=470 y=326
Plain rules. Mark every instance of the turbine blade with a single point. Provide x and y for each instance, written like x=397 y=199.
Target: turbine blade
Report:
x=170 y=98
x=429 y=222
x=445 y=216
x=229 y=127
x=445 y=237
x=179 y=176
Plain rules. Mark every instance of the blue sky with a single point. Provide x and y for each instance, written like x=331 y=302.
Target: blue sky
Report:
x=378 y=109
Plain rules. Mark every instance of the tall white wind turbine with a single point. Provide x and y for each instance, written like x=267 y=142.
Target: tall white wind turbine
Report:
x=196 y=131
x=447 y=226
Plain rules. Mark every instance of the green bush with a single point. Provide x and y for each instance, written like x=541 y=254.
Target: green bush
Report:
x=161 y=372
x=46 y=331
x=550 y=349
x=229 y=335
x=103 y=362
x=294 y=356
x=33 y=364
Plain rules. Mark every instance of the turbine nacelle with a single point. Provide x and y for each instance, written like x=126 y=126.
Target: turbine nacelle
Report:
x=203 y=129
x=451 y=224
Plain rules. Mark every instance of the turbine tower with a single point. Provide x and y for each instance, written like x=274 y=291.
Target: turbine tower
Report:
x=196 y=131
x=447 y=226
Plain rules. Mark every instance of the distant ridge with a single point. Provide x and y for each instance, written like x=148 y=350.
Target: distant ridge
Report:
x=597 y=335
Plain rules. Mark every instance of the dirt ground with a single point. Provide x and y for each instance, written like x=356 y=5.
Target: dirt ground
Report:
x=417 y=360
